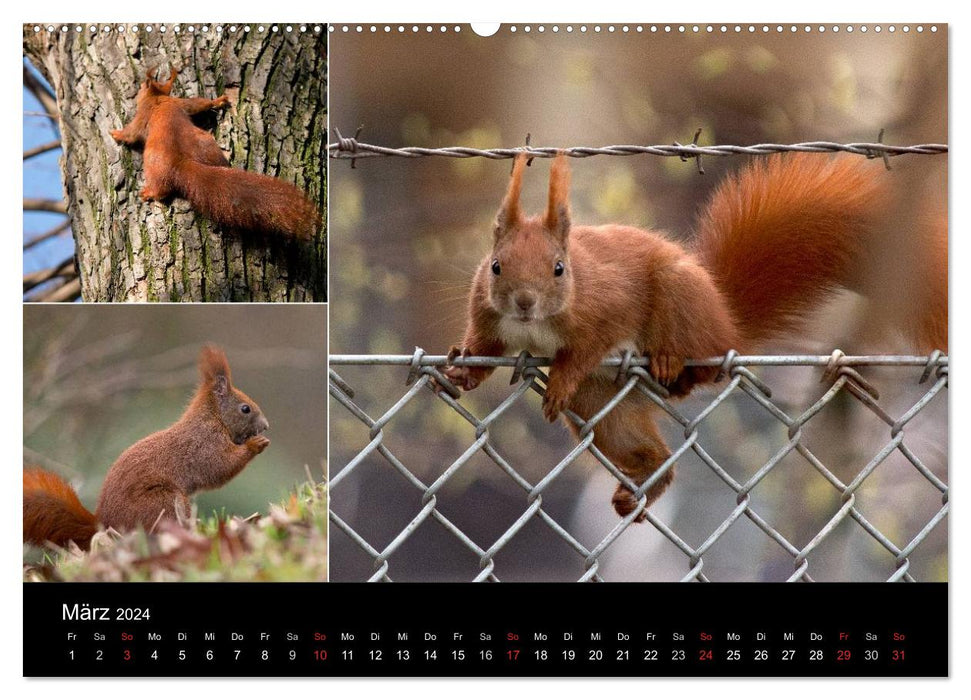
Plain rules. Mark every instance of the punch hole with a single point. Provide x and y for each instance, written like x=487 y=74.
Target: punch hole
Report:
x=485 y=28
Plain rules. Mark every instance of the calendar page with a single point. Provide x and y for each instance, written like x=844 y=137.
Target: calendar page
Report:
x=370 y=314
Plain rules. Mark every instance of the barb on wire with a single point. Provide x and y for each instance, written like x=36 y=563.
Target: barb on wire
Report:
x=351 y=148
x=840 y=373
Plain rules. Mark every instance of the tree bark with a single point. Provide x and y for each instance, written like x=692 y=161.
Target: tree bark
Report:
x=130 y=250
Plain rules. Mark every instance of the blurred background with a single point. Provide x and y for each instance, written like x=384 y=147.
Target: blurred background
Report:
x=408 y=233
x=99 y=378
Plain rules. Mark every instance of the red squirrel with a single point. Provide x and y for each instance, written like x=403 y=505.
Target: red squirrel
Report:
x=217 y=436
x=774 y=242
x=180 y=159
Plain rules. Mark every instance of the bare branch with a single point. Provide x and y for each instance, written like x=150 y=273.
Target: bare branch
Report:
x=57 y=206
x=43 y=148
x=42 y=93
x=64 y=269
x=69 y=291
x=56 y=231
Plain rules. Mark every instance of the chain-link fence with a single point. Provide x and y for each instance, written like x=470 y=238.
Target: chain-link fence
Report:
x=870 y=482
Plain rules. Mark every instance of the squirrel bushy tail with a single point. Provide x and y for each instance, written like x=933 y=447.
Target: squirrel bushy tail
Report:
x=53 y=513
x=787 y=231
x=241 y=199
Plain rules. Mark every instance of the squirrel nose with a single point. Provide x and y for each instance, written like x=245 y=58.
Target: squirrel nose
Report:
x=525 y=300
x=264 y=424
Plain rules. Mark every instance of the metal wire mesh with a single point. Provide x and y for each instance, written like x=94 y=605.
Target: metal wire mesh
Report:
x=840 y=373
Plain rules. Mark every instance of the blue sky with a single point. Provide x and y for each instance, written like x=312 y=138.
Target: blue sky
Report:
x=42 y=178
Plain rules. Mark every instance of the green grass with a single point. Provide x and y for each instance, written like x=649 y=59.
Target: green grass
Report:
x=288 y=543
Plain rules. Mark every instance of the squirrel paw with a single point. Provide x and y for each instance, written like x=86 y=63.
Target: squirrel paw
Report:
x=666 y=368
x=148 y=195
x=118 y=135
x=465 y=378
x=220 y=102
x=257 y=444
x=625 y=503
x=554 y=403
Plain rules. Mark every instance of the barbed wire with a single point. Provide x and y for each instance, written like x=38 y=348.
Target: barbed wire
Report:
x=351 y=148
x=424 y=373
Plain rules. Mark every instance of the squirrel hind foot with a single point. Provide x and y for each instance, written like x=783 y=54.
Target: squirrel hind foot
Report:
x=625 y=503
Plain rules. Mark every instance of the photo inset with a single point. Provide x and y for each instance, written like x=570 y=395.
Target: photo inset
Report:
x=639 y=306
x=175 y=163
x=175 y=443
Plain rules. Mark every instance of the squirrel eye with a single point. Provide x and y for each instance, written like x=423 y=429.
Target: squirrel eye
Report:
x=245 y=408
x=558 y=268
x=495 y=267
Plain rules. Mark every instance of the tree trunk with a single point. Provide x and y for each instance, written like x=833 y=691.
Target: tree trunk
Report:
x=130 y=250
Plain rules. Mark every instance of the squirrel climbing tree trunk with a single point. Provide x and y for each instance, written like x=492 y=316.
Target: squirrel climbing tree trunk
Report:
x=276 y=124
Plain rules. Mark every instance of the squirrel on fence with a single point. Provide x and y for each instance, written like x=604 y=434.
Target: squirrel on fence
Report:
x=219 y=433
x=180 y=159
x=773 y=243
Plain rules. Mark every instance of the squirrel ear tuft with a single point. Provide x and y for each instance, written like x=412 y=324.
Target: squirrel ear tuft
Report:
x=557 y=219
x=509 y=213
x=214 y=367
